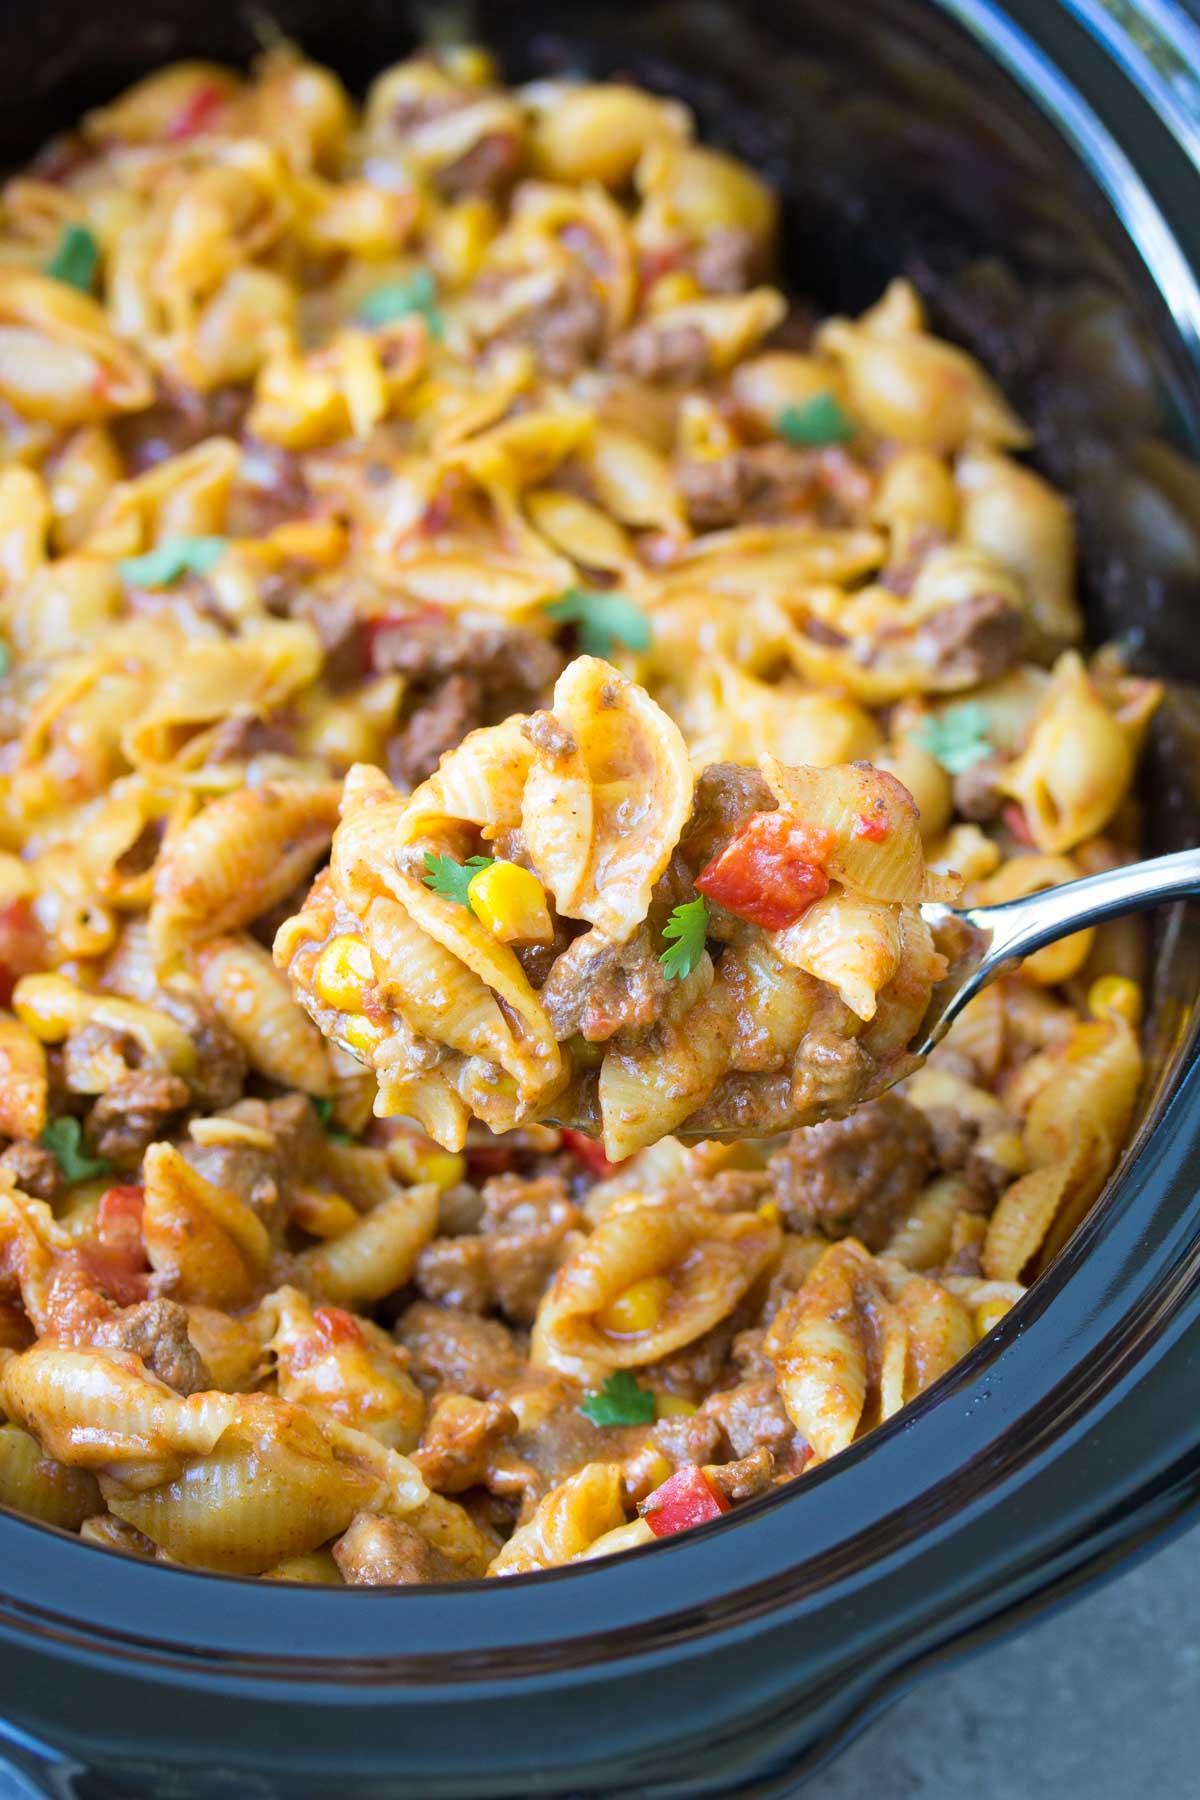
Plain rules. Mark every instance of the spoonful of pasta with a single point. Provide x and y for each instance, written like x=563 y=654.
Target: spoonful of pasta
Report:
x=565 y=923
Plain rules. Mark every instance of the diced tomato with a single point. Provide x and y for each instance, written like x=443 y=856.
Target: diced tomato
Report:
x=688 y=1498
x=482 y=1160
x=770 y=873
x=197 y=112
x=873 y=826
x=112 y=1274
x=119 y=1224
x=1015 y=818
x=22 y=948
x=590 y=1154
x=337 y=1326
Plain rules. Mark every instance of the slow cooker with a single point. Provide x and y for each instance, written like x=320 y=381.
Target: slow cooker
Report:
x=1035 y=168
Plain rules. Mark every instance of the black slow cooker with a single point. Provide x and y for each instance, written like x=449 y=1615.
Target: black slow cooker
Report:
x=1033 y=166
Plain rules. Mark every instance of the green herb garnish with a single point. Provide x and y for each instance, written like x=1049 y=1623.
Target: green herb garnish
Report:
x=160 y=567
x=601 y=620
x=449 y=879
x=64 y=1140
x=323 y=1106
x=619 y=1402
x=957 y=738
x=75 y=259
x=401 y=299
x=688 y=925
x=819 y=421
x=4 y=657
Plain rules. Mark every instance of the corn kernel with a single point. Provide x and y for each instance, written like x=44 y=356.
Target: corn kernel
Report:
x=769 y=1210
x=343 y=970
x=674 y=1406
x=638 y=1309
x=444 y=1168
x=49 y=1006
x=655 y=1470
x=511 y=903
x=674 y=289
x=469 y=63
x=1115 y=994
x=359 y=1036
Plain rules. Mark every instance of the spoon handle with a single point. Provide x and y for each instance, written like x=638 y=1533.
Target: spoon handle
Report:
x=1016 y=928
x=1019 y=927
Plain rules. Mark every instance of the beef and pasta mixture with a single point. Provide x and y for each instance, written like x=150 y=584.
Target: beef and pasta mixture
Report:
x=486 y=683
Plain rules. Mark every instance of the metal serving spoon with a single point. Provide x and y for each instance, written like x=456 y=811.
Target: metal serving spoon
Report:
x=995 y=938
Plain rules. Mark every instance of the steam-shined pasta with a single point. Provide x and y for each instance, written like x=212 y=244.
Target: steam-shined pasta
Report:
x=423 y=552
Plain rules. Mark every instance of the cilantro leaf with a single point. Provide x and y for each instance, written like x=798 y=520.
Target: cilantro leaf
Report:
x=957 y=738
x=5 y=659
x=177 y=556
x=819 y=421
x=601 y=619
x=688 y=924
x=400 y=299
x=619 y=1402
x=323 y=1107
x=450 y=879
x=64 y=1140
x=75 y=258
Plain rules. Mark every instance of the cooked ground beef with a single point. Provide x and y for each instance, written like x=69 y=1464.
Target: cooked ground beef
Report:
x=829 y=1071
x=458 y=678
x=751 y=1416
x=157 y=1331
x=455 y=1349
x=565 y=332
x=486 y=168
x=94 y=1055
x=461 y=1436
x=974 y=640
x=675 y=355
x=976 y=793
x=858 y=1175
x=243 y=735
x=35 y=1171
x=746 y=1478
x=132 y=1113
x=386 y=1552
x=598 y=988
x=725 y=797
x=220 y=1070
x=767 y=482
x=527 y=1227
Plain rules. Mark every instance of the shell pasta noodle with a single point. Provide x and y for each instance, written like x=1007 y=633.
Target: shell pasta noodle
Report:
x=486 y=685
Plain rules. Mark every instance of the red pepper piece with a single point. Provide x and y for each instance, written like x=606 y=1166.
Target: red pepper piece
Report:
x=769 y=873
x=1015 y=818
x=687 y=1498
x=197 y=111
x=590 y=1154
x=119 y=1224
x=873 y=826
x=337 y=1326
x=22 y=949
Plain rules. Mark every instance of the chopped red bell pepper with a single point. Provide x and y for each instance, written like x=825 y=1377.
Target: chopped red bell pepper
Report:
x=22 y=947
x=769 y=873
x=119 y=1224
x=685 y=1499
x=873 y=826
x=199 y=110
x=590 y=1154
x=337 y=1326
x=1017 y=820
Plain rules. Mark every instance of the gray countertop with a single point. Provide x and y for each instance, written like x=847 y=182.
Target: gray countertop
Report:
x=1099 y=1701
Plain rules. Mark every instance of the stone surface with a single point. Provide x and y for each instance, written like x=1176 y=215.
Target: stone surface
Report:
x=1097 y=1701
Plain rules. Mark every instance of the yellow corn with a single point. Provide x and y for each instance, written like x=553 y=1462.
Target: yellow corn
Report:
x=769 y=1210
x=469 y=63
x=420 y=1163
x=1115 y=994
x=656 y=1470
x=343 y=970
x=359 y=1035
x=638 y=1309
x=50 y=1006
x=673 y=289
x=674 y=1406
x=511 y=903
